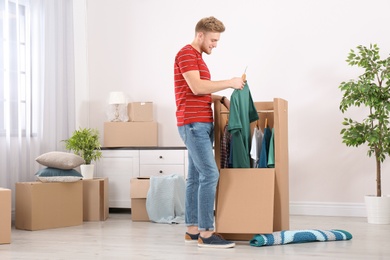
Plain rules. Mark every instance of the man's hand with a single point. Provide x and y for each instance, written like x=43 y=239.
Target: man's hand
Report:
x=237 y=83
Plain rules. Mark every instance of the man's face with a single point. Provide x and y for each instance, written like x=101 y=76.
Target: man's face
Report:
x=209 y=41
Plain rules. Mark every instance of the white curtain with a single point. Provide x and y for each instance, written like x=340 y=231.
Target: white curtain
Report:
x=45 y=110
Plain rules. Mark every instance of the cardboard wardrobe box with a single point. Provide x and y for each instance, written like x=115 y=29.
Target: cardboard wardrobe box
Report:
x=95 y=199
x=46 y=205
x=245 y=203
x=5 y=216
x=140 y=111
x=125 y=134
x=254 y=200
x=139 y=188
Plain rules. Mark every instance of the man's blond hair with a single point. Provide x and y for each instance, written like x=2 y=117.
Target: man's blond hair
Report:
x=209 y=24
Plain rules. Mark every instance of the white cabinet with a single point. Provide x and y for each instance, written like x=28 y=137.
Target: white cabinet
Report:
x=161 y=162
x=120 y=165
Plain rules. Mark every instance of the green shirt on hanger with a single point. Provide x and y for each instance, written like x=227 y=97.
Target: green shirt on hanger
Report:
x=242 y=113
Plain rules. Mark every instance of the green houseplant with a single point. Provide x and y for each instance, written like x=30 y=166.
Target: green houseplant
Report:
x=85 y=143
x=372 y=91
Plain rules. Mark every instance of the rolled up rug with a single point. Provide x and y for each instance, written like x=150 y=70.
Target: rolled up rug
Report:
x=299 y=236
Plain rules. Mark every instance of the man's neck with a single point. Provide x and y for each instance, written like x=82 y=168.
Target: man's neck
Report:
x=196 y=46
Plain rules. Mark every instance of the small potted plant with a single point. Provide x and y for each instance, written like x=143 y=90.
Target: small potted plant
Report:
x=372 y=91
x=85 y=143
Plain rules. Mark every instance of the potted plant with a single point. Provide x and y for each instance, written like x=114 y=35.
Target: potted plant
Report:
x=372 y=91
x=85 y=143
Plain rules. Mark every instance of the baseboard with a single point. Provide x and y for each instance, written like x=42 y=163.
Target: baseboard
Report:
x=318 y=209
x=328 y=209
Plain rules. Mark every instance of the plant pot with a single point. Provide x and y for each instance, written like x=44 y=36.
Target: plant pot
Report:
x=378 y=209
x=87 y=170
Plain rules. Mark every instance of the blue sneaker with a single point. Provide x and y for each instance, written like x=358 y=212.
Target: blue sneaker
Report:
x=215 y=241
x=190 y=238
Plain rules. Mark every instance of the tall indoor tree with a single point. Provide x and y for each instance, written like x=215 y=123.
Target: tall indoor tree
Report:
x=370 y=90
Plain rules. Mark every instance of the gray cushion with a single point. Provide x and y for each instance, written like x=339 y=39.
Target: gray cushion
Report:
x=58 y=175
x=60 y=160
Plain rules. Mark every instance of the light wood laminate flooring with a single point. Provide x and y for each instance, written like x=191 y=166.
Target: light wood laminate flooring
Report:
x=120 y=238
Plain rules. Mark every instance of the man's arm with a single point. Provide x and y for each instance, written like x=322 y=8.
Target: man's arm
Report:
x=199 y=86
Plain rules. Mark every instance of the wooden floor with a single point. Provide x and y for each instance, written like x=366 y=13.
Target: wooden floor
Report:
x=120 y=238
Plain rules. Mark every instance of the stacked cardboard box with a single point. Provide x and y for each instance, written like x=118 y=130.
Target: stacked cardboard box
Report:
x=5 y=216
x=139 y=188
x=95 y=199
x=140 y=131
x=140 y=111
x=48 y=205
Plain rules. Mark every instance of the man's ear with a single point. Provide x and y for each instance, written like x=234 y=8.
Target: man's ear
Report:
x=200 y=35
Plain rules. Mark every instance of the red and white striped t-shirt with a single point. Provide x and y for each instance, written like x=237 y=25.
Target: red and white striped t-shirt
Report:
x=191 y=108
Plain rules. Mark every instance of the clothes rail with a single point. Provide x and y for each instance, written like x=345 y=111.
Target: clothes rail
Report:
x=258 y=111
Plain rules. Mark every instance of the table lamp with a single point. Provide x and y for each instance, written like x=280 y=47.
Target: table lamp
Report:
x=116 y=99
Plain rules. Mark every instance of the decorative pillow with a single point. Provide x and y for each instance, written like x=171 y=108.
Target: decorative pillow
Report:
x=58 y=175
x=60 y=160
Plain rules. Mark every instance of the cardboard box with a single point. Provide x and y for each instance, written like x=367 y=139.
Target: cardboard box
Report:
x=95 y=199
x=245 y=203
x=125 y=134
x=140 y=111
x=42 y=205
x=139 y=188
x=5 y=216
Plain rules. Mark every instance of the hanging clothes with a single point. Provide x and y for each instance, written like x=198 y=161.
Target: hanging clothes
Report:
x=225 y=148
x=230 y=162
x=257 y=138
x=271 y=152
x=263 y=161
x=242 y=113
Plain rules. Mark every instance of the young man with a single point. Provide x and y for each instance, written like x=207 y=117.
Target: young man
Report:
x=193 y=92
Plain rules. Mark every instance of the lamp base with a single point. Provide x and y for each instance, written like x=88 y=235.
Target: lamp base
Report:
x=116 y=119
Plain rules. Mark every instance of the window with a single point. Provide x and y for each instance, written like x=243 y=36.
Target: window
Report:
x=15 y=68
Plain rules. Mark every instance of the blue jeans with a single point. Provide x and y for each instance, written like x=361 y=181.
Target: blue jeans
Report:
x=202 y=176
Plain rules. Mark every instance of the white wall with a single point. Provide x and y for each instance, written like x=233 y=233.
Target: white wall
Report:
x=294 y=50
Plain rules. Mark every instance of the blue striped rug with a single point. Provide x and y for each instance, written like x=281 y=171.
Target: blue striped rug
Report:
x=299 y=236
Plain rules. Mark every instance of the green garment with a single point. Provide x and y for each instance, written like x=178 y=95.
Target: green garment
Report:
x=242 y=113
x=271 y=152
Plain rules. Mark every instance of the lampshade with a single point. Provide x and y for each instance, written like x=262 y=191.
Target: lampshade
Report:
x=117 y=98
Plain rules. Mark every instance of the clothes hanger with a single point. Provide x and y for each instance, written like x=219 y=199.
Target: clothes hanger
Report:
x=244 y=75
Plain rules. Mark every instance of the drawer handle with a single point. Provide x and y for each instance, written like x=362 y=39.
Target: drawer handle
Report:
x=161 y=171
x=160 y=157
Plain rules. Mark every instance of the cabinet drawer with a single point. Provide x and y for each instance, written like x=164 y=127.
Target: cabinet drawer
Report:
x=156 y=170
x=161 y=157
